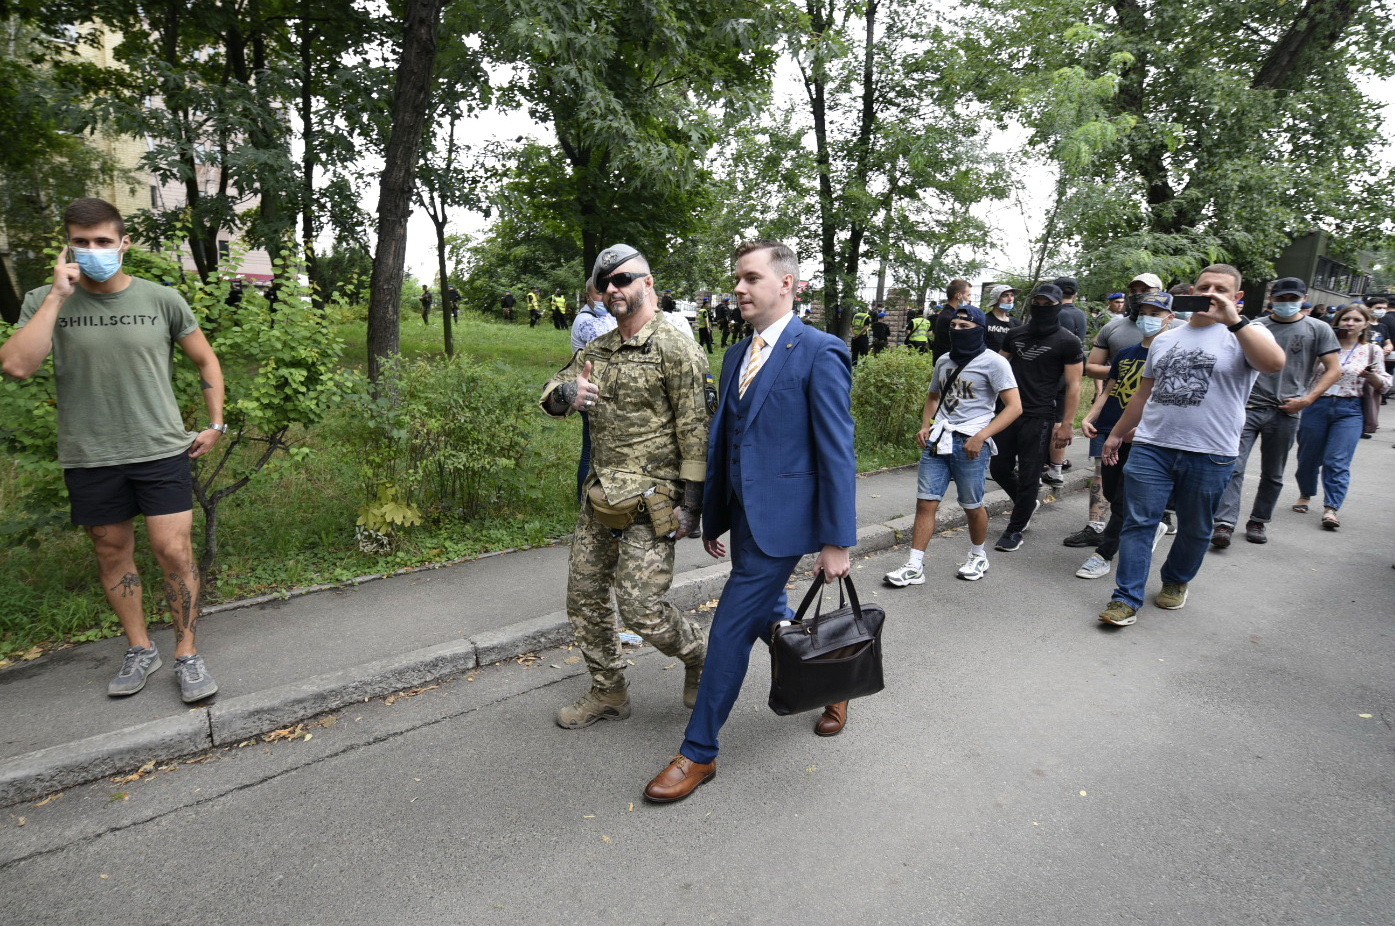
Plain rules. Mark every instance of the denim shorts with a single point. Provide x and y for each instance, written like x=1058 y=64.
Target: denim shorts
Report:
x=1097 y=444
x=970 y=476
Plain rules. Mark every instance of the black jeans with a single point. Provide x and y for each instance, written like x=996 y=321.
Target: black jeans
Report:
x=1112 y=481
x=1023 y=449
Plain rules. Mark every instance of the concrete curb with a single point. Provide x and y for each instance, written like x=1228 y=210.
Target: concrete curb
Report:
x=44 y=771
x=237 y=719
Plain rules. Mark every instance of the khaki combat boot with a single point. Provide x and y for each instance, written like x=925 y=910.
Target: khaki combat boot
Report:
x=593 y=706
x=692 y=676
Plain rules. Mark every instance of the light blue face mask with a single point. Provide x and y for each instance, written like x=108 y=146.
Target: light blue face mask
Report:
x=97 y=264
x=1150 y=325
x=1182 y=316
x=1287 y=309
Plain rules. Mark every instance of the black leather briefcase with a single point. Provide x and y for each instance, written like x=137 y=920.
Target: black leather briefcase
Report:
x=826 y=658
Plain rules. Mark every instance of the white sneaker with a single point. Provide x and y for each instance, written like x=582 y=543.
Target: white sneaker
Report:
x=1096 y=567
x=1162 y=532
x=974 y=567
x=906 y=575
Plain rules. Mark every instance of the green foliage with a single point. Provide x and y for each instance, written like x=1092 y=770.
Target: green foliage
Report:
x=449 y=441
x=888 y=396
x=1185 y=132
x=29 y=437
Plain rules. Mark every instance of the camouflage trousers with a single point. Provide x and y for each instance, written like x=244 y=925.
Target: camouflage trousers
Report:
x=639 y=568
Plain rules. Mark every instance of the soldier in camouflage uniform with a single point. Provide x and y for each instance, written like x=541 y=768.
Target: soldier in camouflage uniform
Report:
x=648 y=394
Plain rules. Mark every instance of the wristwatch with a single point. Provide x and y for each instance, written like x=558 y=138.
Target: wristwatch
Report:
x=1237 y=326
x=220 y=428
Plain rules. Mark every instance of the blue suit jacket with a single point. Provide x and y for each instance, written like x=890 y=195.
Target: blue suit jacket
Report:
x=798 y=467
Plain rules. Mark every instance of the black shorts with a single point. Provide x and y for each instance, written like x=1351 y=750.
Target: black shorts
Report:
x=114 y=494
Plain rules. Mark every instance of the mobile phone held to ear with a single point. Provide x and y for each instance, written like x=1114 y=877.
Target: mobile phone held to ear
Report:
x=1191 y=303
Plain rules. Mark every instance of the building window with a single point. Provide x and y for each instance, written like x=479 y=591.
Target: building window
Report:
x=224 y=250
x=154 y=196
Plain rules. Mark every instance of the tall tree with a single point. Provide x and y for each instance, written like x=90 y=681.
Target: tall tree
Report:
x=410 y=105
x=630 y=93
x=1186 y=131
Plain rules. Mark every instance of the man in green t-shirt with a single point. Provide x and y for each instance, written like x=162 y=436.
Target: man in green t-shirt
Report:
x=121 y=440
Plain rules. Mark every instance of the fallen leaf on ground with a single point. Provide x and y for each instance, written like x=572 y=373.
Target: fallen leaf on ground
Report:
x=50 y=799
x=23 y=821
x=137 y=775
x=572 y=660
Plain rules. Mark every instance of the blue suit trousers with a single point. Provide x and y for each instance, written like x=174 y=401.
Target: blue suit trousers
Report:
x=753 y=599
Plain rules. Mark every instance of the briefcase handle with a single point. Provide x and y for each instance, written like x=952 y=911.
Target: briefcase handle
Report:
x=813 y=596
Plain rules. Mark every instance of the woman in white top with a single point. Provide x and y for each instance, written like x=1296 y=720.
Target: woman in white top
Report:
x=1331 y=427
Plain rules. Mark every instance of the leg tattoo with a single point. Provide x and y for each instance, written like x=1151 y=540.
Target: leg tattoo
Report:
x=129 y=585
x=181 y=602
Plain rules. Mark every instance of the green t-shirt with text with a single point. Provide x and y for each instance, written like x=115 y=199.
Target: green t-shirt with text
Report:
x=113 y=354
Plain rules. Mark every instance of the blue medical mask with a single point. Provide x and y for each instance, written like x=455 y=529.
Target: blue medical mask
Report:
x=1150 y=325
x=1182 y=316
x=1287 y=309
x=97 y=264
x=1378 y=313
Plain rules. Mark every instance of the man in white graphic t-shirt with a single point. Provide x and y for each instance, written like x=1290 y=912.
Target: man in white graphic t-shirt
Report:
x=1185 y=422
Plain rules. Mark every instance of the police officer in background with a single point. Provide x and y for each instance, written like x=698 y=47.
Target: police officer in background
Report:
x=648 y=394
x=861 y=326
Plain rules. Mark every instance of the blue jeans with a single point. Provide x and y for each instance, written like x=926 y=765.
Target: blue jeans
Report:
x=1327 y=437
x=1195 y=482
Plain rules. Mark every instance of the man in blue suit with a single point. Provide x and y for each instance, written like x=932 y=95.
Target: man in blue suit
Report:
x=780 y=477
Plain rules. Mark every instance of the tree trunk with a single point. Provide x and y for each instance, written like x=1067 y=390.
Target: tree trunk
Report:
x=409 y=107
x=9 y=295
x=1316 y=29
x=447 y=322
x=308 y=231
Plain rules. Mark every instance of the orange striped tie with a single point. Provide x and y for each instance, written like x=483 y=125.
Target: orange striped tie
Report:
x=753 y=365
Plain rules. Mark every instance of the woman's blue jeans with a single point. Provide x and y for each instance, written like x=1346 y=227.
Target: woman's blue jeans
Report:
x=1328 y=435
x=1152 y=475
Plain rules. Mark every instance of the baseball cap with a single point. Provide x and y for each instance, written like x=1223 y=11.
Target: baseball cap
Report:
x=1289 y=286
x=1147 y=279
x=1067 y=285
x=1050 y=291
x=1155 y=300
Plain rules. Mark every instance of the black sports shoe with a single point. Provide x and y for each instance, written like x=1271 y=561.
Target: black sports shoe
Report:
x=1010 y=541
x=1087 y=536
x=1220 y=535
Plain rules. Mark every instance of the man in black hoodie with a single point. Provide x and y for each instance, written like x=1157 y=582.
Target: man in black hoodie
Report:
x=1041 y=354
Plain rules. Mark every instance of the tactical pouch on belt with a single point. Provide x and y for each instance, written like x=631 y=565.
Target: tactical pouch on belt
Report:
x=659 y=501
x=614 y=515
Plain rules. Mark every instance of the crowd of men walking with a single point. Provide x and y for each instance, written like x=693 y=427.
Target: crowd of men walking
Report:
x=1186 y=384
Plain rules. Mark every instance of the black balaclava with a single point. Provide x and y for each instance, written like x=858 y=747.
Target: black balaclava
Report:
x=966 y=344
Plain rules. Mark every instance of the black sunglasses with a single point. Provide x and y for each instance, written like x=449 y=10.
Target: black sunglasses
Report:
x=620 y=280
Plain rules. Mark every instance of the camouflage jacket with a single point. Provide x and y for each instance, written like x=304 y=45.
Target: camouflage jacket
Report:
x=656 y=400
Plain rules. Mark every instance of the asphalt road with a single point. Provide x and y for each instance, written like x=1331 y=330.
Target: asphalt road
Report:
x=1229 y=763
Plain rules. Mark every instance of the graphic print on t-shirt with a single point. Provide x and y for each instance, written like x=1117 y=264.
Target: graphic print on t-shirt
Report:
x=1183 y=376
x=959 y=390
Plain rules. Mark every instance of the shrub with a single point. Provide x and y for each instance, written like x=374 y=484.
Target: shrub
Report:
x=441 y=440
x=888 y=394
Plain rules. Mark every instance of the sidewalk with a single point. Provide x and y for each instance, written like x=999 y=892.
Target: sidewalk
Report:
x=281 y=661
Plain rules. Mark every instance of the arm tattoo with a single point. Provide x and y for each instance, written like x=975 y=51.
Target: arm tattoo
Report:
x=181 y=602
x=205 y=383
x=561 y=398
x=129 y=585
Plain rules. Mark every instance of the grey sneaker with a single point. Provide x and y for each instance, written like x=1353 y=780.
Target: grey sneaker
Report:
x=1118 y=614
x=136 y=667
x=906 y=575
x=195 y=683
x=1172 y=597
x=1167 y=522
x=593 y=706
x=1096 y=567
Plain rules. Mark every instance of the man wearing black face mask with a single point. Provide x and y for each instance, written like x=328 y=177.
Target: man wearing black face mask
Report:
x=1041 y=353
x=956 y=437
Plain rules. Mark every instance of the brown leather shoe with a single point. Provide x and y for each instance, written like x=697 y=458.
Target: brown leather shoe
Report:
x=680 y=779
x=834 y=718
